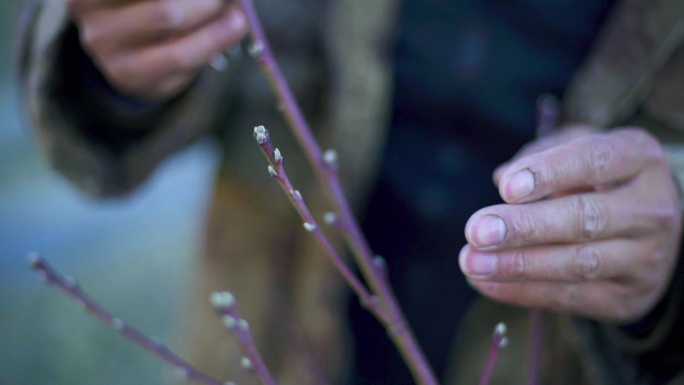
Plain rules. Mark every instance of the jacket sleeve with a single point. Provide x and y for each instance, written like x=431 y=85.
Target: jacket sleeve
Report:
x=104 y=143
x=651 y=350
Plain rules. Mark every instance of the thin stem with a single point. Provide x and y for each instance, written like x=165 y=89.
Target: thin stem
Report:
x=225 y=304
x=536 y=344
x=499 y=341
x=393 y=318
x=277 y=172
x=69 y=286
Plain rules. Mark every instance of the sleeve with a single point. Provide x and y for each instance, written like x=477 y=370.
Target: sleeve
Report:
x=651 y=350
x=104 y=143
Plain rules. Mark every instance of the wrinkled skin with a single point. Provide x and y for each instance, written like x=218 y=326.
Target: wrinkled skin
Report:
x=591 y=226
x=154 y=48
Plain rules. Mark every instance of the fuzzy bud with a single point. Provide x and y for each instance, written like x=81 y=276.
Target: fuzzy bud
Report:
x=34 y=259
x=330 y=218
x=503 y=343
x=277 y=156
x=260 y=134
x=379 y=262
x=255 y=49
x=222 y=300
x=330 y=157
x=183 y=372
x=272 y=172
x=246 y=363
x=297 y=194
x=230 y=322
x=117 y=324
x=309 y=227
x=243 y=325
x=500 y=329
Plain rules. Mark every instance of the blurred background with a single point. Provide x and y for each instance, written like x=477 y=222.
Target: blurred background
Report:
x=130 y=253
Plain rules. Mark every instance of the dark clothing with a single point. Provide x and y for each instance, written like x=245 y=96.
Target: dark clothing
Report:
x=468 y=74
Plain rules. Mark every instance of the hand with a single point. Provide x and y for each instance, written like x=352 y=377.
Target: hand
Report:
x=154 y=48
x=592 y=226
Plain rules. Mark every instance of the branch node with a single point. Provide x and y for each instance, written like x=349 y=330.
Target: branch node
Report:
x=246 y=363
x=222 y=300
x=309 y=227
x=230 y=322
x=379 y=262
x=330 y=158
x=243 y=325
x=255 y=49
x=117 y=324
x=261 y=134
x=272 y=172
x=277 y=156
x=330 y=218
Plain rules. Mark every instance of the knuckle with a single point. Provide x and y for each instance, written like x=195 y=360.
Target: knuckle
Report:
x=592 y=218
x=522 y=228
x=515 y=265
x=586 y=265
x=563 y=299
x=169 y=18
x=600 y=156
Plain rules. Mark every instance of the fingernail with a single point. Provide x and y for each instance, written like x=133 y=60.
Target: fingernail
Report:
x=520 y=185
x=488 y=230
x=476 y=263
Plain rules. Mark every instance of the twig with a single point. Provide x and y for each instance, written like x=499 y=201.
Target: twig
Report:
x=499 y=341
x=69 y=286
x=393 y=318
x=547 y=121
x=277 y=171
x=225 y=304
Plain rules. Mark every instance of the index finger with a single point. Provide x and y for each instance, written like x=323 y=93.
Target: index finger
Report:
x=580 y=163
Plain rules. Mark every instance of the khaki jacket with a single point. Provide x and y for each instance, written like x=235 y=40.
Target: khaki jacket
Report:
x=254 y=243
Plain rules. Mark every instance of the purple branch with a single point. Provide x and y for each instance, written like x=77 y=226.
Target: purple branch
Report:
x=225 y=304
x=392 y=317
x=69 y=286
x=547 y=120
x=499 y=341
x=277 y=172
x=536 y=344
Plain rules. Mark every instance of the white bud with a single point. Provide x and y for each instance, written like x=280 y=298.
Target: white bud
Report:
x=379 y=262
x=330 y=218
x=255 y=49
x=117 y=324
x=222 y=299
x=155 y=342
x=260 y=134
x=34 y=259
x=330 y=157
x=230 y=322
x=500 y=329
x=243 y=325
x=309 y=227
x=272 y=172
x=297 y=194
x=503 y=343
x=70 y=282
x=246 y=363
x=183 y=372
x=277 y=156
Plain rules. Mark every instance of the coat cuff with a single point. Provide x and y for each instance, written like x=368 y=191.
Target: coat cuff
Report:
x=104 y=143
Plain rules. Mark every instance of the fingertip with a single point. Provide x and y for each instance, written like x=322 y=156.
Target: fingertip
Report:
x=519 y=186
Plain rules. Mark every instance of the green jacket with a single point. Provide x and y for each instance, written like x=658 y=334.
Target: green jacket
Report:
x=290 y=294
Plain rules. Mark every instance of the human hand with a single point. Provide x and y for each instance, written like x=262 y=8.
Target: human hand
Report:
x=592 y=226
x=153 y=48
